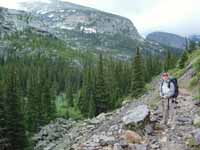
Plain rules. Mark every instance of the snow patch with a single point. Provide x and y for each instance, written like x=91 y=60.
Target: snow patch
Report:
x=67 y=28
x=62 y=10
x=88 y=30
x=72 y=10
x=51 y=15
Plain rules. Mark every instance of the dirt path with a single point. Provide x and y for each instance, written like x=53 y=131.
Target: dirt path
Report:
x=176 y=139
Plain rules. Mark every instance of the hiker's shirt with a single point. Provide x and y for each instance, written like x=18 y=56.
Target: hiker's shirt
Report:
x=167 y=90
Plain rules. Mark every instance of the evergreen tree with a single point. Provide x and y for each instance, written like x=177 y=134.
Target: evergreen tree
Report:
x=192 y=46
x=70 y=97
x=87 y=94
x=137 y=87
x=101 y=93
x=183 y=59
x=15 y=121
x=4 y=143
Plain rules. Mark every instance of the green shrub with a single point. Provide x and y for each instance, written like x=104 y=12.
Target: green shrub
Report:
x=193 y=81
x=196 y=65
x=74 y=113
x=177 y=72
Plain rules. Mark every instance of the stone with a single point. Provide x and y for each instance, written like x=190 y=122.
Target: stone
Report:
x=184 y=120
x=196 y=120
x=131 y=137
x=137 y=117
x=137 y=147
x=197 y=136
x=117 y=146
x=148 y=129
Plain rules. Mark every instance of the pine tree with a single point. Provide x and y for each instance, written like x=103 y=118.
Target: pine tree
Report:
x=70 y=97
x=183 y=59
x=87 y=94
x=137 y=87
x=192 y=46
x=4 y=143
x=15 y=121
x=101 y=93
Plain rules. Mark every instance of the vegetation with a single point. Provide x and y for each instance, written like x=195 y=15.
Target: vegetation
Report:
x=137 y=86
x=41 y=79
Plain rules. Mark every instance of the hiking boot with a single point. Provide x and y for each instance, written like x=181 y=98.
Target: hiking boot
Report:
x=175 y=101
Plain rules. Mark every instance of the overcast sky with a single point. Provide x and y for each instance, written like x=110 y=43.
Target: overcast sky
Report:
x=176 y=16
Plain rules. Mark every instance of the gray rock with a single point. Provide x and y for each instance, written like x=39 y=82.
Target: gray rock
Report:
x=184 y=120
x=196 y=120
x=136 y=116
x=117 y=146
x=197 y=137
x=137 y=147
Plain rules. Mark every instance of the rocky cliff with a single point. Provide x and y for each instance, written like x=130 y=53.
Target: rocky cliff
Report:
x=79 y=27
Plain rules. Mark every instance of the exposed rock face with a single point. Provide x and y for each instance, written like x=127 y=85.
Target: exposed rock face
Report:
x=167 y=39
x=80 y=27
x=57 y=15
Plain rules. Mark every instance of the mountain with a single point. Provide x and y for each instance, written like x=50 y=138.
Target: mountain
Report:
x=195 y=38
x=167 y=39
x=77 y=27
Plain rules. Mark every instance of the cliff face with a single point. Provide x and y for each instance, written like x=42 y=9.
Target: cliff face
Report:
x=167 y=39
x=83 y=27
x=79 y=27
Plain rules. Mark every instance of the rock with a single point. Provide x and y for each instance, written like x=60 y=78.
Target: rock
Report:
x=184 y=120
x=101 y=117
x=137 y=117
x=131 y=137
x=196 y=120
x=117 y=146
x=148 y=129
x=197 y=137
x=137 y=147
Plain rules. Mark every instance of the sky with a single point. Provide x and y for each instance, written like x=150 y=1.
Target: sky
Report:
x=176 y=16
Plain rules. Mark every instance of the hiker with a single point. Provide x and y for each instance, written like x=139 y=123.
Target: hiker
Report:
x=168 y=93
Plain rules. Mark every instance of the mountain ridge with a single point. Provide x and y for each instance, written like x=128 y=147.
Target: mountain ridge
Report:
x=167 y=39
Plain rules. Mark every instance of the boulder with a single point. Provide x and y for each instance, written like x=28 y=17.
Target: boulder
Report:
x=137 y=117
x=197 y=137
x=196 y=120
x=131 y=137
x=137 y=147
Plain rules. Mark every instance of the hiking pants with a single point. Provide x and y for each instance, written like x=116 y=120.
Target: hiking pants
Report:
x=168 y=110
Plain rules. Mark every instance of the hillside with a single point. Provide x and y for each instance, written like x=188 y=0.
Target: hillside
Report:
x=168 y=39
x=79 y=28
x=142 y=116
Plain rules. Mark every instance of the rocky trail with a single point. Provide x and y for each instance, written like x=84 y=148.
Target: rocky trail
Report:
x=177 y=138
x=134 y=126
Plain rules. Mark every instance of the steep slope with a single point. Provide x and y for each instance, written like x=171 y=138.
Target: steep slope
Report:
x=167 y=39
x=111 y=131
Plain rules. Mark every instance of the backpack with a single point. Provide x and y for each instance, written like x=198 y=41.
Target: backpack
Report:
x=175 y=82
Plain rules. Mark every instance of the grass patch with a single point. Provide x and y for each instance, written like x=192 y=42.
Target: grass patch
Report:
x=64 y=111
x=193 y=82
x=192 y=145
x=177 y=72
